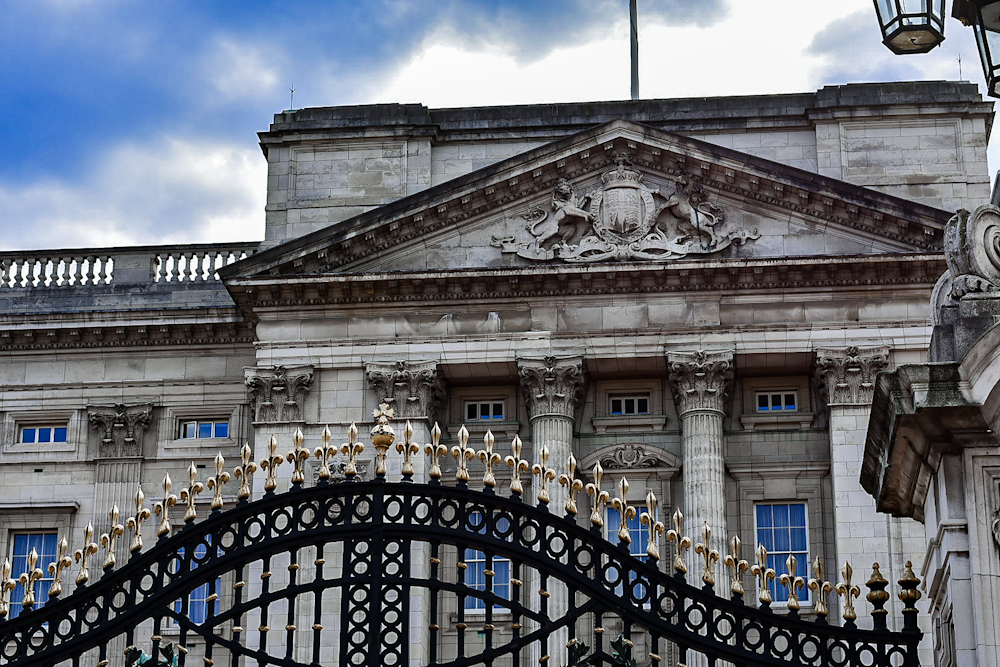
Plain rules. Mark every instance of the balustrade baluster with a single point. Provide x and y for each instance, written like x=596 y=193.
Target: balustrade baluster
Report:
x=189 y=272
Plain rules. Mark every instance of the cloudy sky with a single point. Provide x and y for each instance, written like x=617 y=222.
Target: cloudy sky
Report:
x=134 y=121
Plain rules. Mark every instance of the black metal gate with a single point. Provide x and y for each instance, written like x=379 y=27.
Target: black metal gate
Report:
x=374 y=573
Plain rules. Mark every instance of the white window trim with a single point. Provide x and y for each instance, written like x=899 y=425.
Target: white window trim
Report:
x=479 y=402
x=804 y=604
x=510 y=587
x=636 y=396
x=757 y=393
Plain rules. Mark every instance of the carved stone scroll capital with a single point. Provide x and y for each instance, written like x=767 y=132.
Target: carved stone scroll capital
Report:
x=847 y=376
x=551 y=385
x=411 y=388
x=121 y=428
x=277 y=393
x=700 y=380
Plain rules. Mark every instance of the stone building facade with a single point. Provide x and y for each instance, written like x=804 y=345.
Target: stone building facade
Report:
x=696 y=293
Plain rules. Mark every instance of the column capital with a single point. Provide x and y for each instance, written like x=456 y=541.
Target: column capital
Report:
x=121 y=427
x=411 y=388
x=700 y=379
x=277 y=393
x=846 y=376
x=552 y=385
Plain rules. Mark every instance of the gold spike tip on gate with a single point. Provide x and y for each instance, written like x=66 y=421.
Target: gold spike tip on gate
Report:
x=162 y=508
x=792 y=582
x=189 y=494
x=681 y=542
x=738 y=566
x=821 y=587
x=271 y=463
x=297 y=457
x=134 y=522
x=490 y=458
x=408 y=448
x=82 y=556
x=325 y=453
x=463 y=454
x=572 y=484
x=63 y=562
x=29 y=577
x=850 y=592
x=625 y=511
x=544 y=473
x=109 y=540
x=656 y=528
x=600 y=498
x=216 y=482
x=710 y=555
x=244 y=472
x=6 y=586
x=435 y=450
x=763 y=574
x=352 y=448
x=517 y=465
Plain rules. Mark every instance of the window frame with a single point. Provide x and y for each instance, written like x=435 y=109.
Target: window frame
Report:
x=183 y=423
x=637 y=547
x=635 y=396
x=769 y=394
x=805 y=596
x=53 y=427
x=479 y=403
x=42 y=584
x=470 y=561
x=177 y=605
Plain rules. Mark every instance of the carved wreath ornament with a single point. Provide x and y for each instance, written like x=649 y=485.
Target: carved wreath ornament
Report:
x=624 y=220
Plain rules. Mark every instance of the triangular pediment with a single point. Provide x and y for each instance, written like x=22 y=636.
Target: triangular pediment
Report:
x=617 y=193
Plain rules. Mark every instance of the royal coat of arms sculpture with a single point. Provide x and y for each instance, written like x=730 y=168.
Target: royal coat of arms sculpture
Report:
x=622 y=221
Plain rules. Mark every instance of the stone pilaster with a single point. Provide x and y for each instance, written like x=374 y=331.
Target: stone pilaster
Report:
x=845 y=381
x=700 y=382
x=277 y=393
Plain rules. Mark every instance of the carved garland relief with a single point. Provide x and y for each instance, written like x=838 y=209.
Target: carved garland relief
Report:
x=624 y=220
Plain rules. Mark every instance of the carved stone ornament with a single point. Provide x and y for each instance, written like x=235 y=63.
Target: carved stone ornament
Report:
x=624 y=220
x=338 y=472
x=551 y=385
x=121 y=428
x=972 y=250
x=700 y=380
x=633 y=455
x=277 y=393
x=411 y=388
x=847 y=377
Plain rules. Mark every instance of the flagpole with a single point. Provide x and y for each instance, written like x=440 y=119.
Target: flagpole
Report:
x=634 y=28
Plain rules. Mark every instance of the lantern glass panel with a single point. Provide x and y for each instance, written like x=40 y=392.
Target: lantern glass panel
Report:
x=988 y=42
x=911 y=26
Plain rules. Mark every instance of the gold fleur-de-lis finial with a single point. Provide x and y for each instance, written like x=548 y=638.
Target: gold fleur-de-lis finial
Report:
x=324 y=453
x=134 y=523
x=435 y=450
x=109 y=540
x=625 y=511
x=463 y=454
x=850 y=592
x=764 y=576
x=297 y=457
x=352 y=448
x=737 y=565
x=821 y=587
x=490 y=458
x=82 y=556
x=382 y=437
x=656 y=528
x=190 y=493
x=162 y=508
x=28 y=578
x=681 y=541
x=244 y=472
x=544 y=473
x=705 y=550
x=792 y=582
x=572 y=484
x=408 y=448
x=600 y=498
x=215 y=482
x=6 y=586
x=270 y=464
x=517 y=466
x=61 y=564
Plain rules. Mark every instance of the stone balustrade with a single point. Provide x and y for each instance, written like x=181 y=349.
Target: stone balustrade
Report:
x=86 y=267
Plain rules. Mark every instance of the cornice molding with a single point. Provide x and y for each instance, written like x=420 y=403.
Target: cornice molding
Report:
x=124 y=335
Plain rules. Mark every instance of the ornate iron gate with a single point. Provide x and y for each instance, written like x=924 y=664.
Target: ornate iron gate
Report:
x=374 y=573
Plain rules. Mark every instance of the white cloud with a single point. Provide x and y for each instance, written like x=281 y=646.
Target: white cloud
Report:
x=170 y=191
x=242 y=70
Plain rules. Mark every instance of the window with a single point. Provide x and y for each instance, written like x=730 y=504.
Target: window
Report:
x=45 y=545
x=475 y=573
x=475 y=410
x=629 y=405
x=205 y=429
x=637 y=547
x=198 y=600
x=774 y=401
x=46 y=433
x=782 y=529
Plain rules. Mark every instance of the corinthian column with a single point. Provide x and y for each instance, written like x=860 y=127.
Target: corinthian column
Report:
x=700 y=382
x=552 y=390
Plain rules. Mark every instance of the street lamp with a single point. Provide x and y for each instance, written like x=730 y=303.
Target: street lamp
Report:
x=986 y=26
x=911 y=26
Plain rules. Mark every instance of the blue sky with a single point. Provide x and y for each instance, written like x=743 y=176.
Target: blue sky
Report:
x=134 y=121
